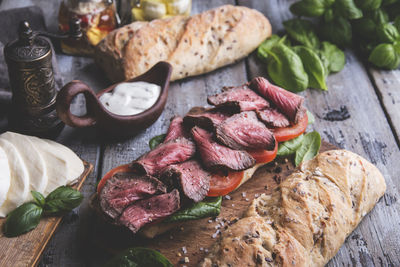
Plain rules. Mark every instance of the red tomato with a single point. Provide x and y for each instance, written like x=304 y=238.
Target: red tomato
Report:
x=264 y=156
x=221 y=185
x=110 y=173
x=290 y=132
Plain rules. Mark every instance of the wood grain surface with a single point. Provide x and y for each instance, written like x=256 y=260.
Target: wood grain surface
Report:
x=26 y=249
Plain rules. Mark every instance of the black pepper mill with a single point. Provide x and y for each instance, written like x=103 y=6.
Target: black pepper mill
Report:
x=29 y=61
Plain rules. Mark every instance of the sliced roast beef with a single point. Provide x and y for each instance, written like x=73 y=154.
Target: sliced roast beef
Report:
x=216 y=157
x=286 y=102
x=149 y=210
x=204 y=118
x=190 y=177
x=165 y=154
x=272 y=118
x=240 y=98
x=124 y=189
x=176 y=129
x=244 y=131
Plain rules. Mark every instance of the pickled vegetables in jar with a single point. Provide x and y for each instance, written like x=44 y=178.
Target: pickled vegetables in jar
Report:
x=157 y=9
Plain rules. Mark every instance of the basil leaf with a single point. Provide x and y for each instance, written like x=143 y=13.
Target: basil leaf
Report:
x=313 y=66
x=332 y=57
x=338 y=31
x=288 y=148
x=385 y=56
x=368 y=4
x=311 y=118
x=62 y=199
x=139 y=257
x=387 y=33
x=365 y=28
x=210 y=207
x=156 y=140
x=379 y=16
x=396 y=23
x=388 y=2
x=348 y=9
x=309 y=148
x=38 y=198
x=286 y=69
x=302 y=31
x=310 y=8
x=393 y=10
x=23 y=219
x=266 y=46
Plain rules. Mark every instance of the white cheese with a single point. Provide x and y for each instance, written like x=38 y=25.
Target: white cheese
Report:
x=19 y=182
x=5 y=176
x=32 y=159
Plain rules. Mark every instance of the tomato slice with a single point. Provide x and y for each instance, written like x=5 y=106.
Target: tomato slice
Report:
x=290 y=132
x=221 y=185
x=264 y=156
x=110 y=173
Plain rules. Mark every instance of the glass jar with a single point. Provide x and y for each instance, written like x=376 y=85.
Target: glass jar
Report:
x=157 y=9
x=97 y=19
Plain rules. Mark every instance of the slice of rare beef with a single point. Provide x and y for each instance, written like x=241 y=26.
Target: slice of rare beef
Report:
x=240 y=98
x=286 y=102
x=204 y=118
x=190 y=177
x=272 y=118
x=174 y=151
x=176 y=129
x=244 y=131
x=218 y=157
x=123 y=189
x=149 y=210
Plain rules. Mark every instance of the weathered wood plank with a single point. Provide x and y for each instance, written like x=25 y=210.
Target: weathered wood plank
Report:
x=367 y=132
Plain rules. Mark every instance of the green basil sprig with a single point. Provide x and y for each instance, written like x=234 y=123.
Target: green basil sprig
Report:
x=302 y=31
x=139 y=257
x=387 y=33
x=347 y=9
x=210 y=207
x=368 y=4
x=310 y=8
x=288 y=148
x=156 y=140
x=332 y=57
x=309 y=148
x=311 y=118
x=63 y=199
x=262 y=50
x=385 y=56
x=23 y=219
x=338 y=31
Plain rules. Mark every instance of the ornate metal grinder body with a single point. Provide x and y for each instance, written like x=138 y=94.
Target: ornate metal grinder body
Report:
x=29 y=61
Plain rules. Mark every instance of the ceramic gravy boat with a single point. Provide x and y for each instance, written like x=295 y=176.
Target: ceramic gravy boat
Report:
x=112 y=124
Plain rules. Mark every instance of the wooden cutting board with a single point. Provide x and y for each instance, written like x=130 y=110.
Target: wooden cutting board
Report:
x=25 y=250
x=197 y=236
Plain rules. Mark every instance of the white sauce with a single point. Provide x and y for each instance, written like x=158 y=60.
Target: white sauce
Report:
x=131 y=98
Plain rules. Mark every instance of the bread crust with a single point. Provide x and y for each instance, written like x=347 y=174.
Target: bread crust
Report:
x=307 y=218
x=193 y=46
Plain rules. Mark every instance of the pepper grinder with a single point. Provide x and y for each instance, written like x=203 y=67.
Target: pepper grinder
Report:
x=29 y=62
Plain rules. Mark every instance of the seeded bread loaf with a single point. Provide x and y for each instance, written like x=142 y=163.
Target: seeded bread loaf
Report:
x=307 y=218
x=192 y=45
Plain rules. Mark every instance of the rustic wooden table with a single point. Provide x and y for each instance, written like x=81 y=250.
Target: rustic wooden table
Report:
x=372 y=98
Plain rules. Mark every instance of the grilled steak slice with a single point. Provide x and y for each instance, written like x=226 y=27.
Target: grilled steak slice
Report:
x=286 y=102
x=176 y=130
x=175 y=151
x=244 y=131
x=240 y=98
x=204 y=118
x=149 y=210
x=124 y=188
x=272 y=118
x=190 y=177
x=216 y=157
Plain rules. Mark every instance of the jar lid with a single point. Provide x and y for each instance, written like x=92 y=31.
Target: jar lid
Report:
x=28 y=47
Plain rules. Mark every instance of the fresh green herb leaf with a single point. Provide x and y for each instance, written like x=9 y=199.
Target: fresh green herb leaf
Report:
x=38 y=198
x=313 y=67
x=23 y=219
x=63 y=199
x=309 y=8
x=309 y=148
x=337 y=31
x=385 y=56
x=288 y=148
x=396 y=23
x=348 y=9
x=332 y=57
x=368 y=4
x=266 y=46
x=286 y=69
x=365 y=28
x=302 y=31
x=387 y=33
x=139 y=257
x=311 y=118
x=156 y=140
x=388 y=2
x=210 y=207
x=329 y=15
x=393 y=10
x=379 y=16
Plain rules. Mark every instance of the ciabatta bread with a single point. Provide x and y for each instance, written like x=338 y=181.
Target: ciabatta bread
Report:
x=192 y=45
x=306 y=220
